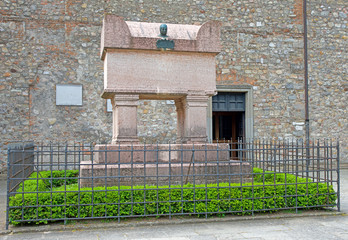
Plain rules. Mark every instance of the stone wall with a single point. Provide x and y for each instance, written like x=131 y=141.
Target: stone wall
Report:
x=45 y=42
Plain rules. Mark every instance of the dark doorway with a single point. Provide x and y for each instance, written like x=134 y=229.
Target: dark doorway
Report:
x=229 y=119
x=228 y=126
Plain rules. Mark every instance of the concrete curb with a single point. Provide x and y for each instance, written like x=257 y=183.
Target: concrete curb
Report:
x=99 y=224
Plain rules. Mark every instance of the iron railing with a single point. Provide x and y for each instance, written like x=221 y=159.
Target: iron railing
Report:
x=88 y=181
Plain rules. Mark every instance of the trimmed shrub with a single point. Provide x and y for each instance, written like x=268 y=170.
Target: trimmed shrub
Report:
x=152 y=200
x=269 y=176
x=45 y=180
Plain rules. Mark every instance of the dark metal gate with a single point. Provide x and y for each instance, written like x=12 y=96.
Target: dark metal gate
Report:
x=20 y=164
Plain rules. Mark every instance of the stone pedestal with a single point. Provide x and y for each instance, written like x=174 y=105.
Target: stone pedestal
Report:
x=191 y=118
x=162 y=164
x=195 y=126
x=124 y=110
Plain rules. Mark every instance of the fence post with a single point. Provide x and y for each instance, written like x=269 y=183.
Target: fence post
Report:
x=252 y=175
x=307 y=157
x=296 y=171
x=338 y=178
x=65 y=169
x=170 y=176
x=8 y=187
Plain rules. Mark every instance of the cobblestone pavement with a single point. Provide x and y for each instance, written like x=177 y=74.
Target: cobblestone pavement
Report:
x=273 y=227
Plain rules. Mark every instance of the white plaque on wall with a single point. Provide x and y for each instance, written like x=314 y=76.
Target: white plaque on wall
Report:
x=69 y=94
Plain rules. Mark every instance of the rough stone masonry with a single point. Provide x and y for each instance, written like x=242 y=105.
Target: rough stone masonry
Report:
x=44 y=43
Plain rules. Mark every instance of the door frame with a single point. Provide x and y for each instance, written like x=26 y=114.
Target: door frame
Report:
x=249 y=110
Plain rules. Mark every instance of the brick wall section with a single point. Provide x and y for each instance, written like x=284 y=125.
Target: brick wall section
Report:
x=44 y=43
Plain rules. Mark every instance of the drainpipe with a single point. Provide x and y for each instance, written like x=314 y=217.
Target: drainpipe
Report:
x=305 y=53
x=305 y=49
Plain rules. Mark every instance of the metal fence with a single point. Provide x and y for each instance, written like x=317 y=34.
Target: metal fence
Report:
x=88 y=181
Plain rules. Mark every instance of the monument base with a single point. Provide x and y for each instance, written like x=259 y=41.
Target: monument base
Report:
x=151 y=164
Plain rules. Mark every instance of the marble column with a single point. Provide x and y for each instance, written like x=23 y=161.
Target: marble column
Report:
x=124 y=109
x=195 y=129
x=180 y=112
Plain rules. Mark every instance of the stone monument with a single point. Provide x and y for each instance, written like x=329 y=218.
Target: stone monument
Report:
x=158 y=62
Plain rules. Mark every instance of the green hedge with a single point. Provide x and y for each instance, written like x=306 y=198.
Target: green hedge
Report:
x=218 y=199
x=44 y=180
x=269 y=176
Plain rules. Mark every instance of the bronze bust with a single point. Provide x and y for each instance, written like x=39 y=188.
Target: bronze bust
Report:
x=163 y=30
x=164 y=43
